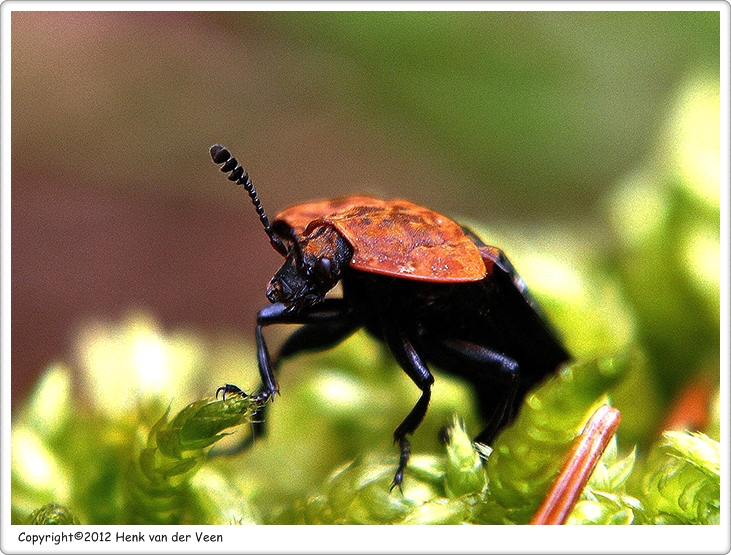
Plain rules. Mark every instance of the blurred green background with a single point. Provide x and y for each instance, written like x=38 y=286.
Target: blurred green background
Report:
x=585 y=144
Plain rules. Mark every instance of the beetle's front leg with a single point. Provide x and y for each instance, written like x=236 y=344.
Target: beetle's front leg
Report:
x=269 y=386
x=274 y=314
x=319 y=318
x=325 y=323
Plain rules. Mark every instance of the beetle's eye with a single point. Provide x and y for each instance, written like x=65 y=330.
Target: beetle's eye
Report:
x=323 y=270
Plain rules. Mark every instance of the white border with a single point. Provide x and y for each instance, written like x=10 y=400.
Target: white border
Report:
x=368 y=5
x=410 y=539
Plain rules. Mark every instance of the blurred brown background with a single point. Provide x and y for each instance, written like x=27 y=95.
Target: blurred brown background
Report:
x=514 y=119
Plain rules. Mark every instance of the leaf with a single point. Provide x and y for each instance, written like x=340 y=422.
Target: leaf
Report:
x=52 y=514
x=682 y=482
x=161 y=474
x=465 y=472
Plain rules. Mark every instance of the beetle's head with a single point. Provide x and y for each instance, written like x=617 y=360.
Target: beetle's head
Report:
x=313 y=265
x=314 y=260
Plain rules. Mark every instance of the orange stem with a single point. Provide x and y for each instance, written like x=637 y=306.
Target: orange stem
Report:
x=583 y=458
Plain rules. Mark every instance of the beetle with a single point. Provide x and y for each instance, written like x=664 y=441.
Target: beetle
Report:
x=427 y=287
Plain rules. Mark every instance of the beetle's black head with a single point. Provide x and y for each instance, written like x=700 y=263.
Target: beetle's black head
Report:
x=314 y=265
x=313 y=262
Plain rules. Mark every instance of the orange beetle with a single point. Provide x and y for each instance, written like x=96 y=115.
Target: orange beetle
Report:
x=421 y=283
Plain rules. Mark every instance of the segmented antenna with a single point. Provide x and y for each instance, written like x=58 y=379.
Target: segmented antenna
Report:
x=238 y=174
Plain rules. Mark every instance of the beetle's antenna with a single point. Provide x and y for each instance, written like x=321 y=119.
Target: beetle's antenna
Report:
x=238 y=174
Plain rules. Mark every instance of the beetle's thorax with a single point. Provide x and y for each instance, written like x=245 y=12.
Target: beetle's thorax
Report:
x=313 y=266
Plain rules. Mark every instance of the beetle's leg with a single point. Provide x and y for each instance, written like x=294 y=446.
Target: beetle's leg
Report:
x=268 y=315
x=325 y=325
x=407 y=357
x=318 y=336
x=504 y=369
x=330 y=318
x=321 y=335
x=269 y=386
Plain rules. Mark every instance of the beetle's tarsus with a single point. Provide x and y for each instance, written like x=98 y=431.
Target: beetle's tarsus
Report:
x=405 y=455
x=229 y=389
x=258 y=400
x=397 y=479
x=263 y=396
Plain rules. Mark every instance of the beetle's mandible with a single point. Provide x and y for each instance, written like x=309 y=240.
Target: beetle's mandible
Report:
x=427 y=287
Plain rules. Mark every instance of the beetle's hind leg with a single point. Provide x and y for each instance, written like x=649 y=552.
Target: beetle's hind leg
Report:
x=494 y=376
